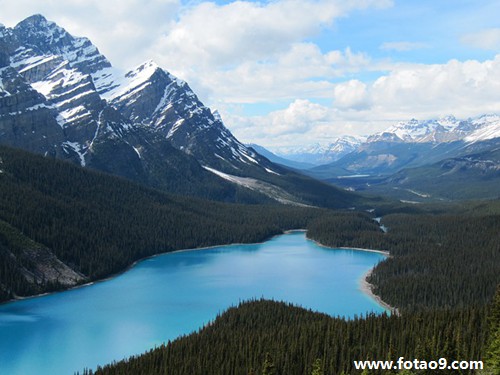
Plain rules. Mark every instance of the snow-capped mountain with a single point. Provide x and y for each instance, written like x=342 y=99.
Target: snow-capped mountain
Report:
x=415 y=143
x=484 y=128
x=90 y=96
x=60 y=96
x=318 y=154
x=152 y=97
x=447 y=129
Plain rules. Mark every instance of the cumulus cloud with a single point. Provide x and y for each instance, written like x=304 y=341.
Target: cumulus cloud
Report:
x=301 y=71
x=296 y=121
x=351 y=95
x=297 y=118
x=123 y=30
x=488 y=39
x=464 y=89
x=233 y=33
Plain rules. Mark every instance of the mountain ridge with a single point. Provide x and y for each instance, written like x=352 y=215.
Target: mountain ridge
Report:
x=61 y=97
x=433 y=131
x=415 y=143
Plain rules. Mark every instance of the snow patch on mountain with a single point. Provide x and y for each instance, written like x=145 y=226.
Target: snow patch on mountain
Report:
x=447 y=129
x=268 y=189
x=321 y=153
x=488 y=127
x=174 y=128
x=72 y=114
x=77 y=148
x=123 y=86
x=41 y=36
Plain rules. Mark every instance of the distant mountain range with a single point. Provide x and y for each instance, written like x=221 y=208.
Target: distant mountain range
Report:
x=60 y=97
x=317 y=154
x=411 y=160
x=436 y=131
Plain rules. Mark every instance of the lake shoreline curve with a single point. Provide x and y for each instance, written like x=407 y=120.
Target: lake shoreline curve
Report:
x=365 y=286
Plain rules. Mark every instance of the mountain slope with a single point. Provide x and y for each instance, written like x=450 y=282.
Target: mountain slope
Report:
x=319 y=154
x=62 y=225
x=474 y=176
x=59 y=96
x=280 y=160
x=413 y=144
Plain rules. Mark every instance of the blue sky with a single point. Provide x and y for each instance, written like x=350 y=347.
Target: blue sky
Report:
x=435 y=25
x=290 y=72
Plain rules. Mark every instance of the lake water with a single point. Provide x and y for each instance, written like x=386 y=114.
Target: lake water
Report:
x=174 y=294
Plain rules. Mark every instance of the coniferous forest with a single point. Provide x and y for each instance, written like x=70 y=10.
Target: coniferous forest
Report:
x=441 y=275
x=99 y=225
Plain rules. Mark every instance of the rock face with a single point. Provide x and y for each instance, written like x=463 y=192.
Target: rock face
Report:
x=152 y=97
x=26 y=118
x=59 y=96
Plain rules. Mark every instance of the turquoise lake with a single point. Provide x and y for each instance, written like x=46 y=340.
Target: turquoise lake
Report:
x=174 y=294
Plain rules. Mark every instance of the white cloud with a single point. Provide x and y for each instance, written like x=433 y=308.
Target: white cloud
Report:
x=123 y=30
x=297 y=118
x=464 y=89
x=239 y=31
x=351 y=95
x=488 y=39
x=294 y=122
x=224 y=35
x=301 y=71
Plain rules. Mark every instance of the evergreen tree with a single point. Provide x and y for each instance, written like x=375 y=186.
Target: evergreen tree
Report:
x=493 y=350
x=316 y=368
x=268 y=368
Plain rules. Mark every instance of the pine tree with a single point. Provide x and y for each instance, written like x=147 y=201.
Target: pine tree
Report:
x=268 y=368
x=316 y=368
x=493 y=350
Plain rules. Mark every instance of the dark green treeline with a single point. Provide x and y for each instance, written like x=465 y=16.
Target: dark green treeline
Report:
x=442 y=274
x=295 y=339
x=99 y=225
x=444 y=260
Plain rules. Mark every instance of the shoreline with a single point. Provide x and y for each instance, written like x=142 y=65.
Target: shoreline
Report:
x=365 y=287
x=383 y=252
x=128 y=268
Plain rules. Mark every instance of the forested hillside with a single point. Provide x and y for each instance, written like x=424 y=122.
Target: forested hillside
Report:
x=444 y=259
x=442 y=275
x=253 y=336
x=61 y=225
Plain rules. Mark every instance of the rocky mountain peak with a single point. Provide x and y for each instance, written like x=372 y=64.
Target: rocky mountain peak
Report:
x=61 y=84
x=44 y=36
x=442 y=130
x=39 y=37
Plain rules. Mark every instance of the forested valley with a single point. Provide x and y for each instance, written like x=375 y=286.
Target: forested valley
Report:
x=98 y=225
x=441 y=276
x=443 y=269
